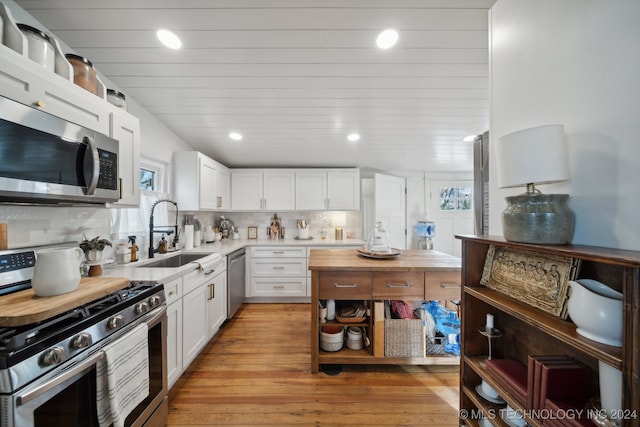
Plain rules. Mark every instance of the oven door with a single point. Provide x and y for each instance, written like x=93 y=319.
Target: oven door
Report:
x=67 y=397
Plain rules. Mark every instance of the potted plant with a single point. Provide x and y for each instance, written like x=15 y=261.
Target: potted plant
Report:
x=93 y=248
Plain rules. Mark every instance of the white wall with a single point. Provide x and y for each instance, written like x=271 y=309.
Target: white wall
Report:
x=577 y=63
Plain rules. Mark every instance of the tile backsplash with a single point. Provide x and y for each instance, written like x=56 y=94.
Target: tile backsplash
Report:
x=318 y=221
x=44 y=225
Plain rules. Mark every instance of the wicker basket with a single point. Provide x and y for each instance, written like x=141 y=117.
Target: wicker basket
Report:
x=404 y=338
x=435 y=345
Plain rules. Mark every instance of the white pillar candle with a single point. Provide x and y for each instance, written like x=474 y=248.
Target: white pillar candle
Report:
x=489 y=323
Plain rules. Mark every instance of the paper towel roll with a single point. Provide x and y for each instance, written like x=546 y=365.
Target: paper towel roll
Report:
x=188 y=236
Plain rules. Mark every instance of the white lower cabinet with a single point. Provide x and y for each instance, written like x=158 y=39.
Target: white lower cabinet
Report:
x=216 y=303
x=194 y=322
x=278 y=272
x=173 y=292
x=196 y=308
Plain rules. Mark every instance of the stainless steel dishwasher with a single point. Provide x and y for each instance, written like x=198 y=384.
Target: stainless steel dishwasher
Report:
x=235 y=281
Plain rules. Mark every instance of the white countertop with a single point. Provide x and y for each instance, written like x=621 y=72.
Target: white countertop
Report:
x=137 y=271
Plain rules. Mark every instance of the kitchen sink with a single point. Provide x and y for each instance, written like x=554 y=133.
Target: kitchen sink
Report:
x=175 y=261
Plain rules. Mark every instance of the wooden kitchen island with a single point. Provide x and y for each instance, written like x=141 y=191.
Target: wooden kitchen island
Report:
x=344 y=276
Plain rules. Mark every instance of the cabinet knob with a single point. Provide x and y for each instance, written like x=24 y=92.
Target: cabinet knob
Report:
x=40 y=103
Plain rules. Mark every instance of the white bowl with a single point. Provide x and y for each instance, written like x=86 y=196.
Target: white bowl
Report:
x=596 y=309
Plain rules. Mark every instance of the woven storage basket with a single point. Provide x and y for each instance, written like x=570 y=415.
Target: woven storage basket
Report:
x=404 y=338
x=435 y=345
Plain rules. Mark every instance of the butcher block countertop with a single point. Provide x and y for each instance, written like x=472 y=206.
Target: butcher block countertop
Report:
x=408 y=260
x=25 y=307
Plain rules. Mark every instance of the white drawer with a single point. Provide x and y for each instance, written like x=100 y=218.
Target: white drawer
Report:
x=194 y=279
x=288 y=287
x=279 y=252
x=274 y=267
x=173 y=290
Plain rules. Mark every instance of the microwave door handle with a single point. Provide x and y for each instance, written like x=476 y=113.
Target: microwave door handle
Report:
x=90 y=361
x=95 y=171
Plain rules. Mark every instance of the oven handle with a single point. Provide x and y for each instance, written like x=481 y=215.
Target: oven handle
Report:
x=95 y=166
x=28 y=397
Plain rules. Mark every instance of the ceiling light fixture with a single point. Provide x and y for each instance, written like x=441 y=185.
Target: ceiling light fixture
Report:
x=387 y=38
x=169 y=39
x=235 y=136
x=353 y=137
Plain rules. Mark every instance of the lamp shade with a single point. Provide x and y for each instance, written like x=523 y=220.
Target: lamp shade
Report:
x=339 y=219
x=532 y=156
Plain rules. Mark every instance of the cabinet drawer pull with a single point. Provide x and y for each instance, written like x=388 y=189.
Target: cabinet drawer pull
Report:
x=172 y=292
x=278 y=287
x=277 y=252
x=210 y=271
x=403 y=285
x=278 y=267
x=353 y=285
x=449 y=285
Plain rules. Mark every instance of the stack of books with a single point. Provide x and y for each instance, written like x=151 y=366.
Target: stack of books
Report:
x=555 y=385
x=552 y=388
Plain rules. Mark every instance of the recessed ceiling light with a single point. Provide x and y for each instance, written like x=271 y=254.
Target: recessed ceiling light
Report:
x=387 y=39
x=235 y=136
x=469 y=138
x=353 y=137
x=169 y=39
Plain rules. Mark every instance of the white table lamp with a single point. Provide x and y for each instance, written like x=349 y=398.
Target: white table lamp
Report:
x=527 y=158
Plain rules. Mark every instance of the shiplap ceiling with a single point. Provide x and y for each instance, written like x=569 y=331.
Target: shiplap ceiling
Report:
x=296 y=76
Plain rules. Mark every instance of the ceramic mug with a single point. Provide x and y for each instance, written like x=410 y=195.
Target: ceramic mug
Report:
x=57 y=271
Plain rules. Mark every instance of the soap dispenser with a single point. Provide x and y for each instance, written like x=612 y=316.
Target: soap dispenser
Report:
x=162 y=246
x=134 y=248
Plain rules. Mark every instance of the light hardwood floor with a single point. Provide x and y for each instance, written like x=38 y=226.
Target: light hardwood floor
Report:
x=256 y=372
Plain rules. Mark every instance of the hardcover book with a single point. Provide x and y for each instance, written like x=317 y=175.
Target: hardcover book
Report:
x=512 y=375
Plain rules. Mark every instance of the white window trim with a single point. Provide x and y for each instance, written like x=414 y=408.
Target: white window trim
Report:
x=161 y=173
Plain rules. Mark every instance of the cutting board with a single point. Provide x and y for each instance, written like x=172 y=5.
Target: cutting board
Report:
x=25 y=307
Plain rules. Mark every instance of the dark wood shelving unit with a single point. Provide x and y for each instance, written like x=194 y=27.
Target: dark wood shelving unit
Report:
x=528 y=330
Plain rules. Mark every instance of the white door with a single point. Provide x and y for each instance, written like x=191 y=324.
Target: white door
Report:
x=390 y=207
x=451 y=208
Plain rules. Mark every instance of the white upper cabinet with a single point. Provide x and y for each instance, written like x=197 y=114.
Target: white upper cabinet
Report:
x=311 y=190
x=259 y=189
x=328 y=189
x=343 y=190
x=279 y=190
x=29 y=83
x=223 y=184
x=126 y=129
x=246 y=190
x=196 y=182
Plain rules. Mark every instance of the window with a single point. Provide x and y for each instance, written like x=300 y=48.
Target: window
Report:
x=147 y=179
x=455 y=198
x=152 y=175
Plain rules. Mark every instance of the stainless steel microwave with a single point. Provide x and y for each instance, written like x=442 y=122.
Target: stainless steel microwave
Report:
x=45 y=159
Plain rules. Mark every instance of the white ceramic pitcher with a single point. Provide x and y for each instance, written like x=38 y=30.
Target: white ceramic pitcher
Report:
x=57 y=271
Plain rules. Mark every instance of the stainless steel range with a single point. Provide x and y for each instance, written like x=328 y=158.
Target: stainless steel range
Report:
x=48 y=369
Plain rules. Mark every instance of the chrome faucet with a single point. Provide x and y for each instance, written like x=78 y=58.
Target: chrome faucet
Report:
x=153 y=230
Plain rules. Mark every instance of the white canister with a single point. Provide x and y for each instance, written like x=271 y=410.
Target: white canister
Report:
x=188 y=236
x=57 y=271
x=610 y=389
x=39 y=47
x=331 y=309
